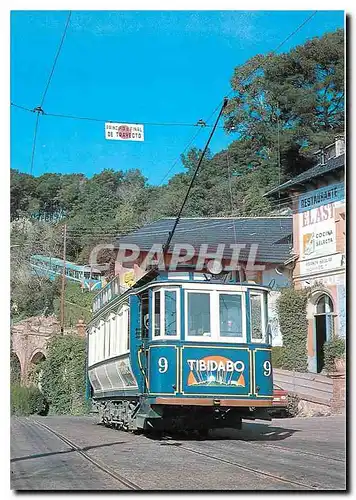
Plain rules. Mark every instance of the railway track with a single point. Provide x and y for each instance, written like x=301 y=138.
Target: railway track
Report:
x=121 y=479
x=294 y=450
x=251 y=469
x=262 y=473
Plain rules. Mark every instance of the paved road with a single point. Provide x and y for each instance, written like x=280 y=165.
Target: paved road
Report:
x=285 y=454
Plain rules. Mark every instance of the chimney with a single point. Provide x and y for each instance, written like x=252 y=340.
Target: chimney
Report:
x=339 y=145
x=80 y=328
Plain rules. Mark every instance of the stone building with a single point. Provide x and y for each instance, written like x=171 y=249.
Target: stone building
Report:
x=317 y=200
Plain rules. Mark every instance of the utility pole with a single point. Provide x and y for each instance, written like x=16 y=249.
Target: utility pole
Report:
x=63 y=276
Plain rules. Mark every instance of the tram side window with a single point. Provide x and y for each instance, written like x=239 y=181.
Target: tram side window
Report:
x=102 y=340
x=170 y=316
x=107 y=337
x=157 y=313
x=113 y=335
x=199 y=314
x=230 y=307
x=257 y=328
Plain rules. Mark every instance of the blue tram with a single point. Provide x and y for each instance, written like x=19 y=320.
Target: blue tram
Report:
x=51 y=267
x=180 y=351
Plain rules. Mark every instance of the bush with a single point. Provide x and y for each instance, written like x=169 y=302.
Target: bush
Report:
x=333 y=349
x=15 y=369
x=27 y=401
x=292 y=405
x=63 y=376
x=278 y=356
x=293 y=322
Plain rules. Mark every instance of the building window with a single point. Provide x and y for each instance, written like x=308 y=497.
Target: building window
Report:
x=324 y=305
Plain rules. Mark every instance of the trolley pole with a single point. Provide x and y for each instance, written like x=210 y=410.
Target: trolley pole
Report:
x=63 y=276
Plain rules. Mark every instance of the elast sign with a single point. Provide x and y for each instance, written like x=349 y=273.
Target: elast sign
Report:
x=317 y=232
x=321 y=196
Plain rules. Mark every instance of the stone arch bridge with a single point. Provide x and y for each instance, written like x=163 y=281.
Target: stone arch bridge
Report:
x=30 y=338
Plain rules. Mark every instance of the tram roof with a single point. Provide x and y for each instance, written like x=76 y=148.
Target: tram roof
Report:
x=273 y=235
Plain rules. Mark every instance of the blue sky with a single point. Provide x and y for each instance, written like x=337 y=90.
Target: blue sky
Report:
x=158 y=66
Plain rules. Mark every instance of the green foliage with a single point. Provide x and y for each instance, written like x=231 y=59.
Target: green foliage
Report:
x=278 y=356
x=33 y=299
x=15 y=369
x=78 y=304
x=299 y=93
x=294 y=328
x=31 y=294
x=333 y=349
x=63 y=376
x=27 y=401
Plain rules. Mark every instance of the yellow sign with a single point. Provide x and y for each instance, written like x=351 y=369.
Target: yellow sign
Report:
x=129 y=278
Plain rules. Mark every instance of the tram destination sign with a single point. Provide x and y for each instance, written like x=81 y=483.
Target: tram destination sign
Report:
x=124 y=131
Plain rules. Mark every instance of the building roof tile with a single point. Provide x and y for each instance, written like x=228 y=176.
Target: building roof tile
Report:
x=265 y=232
x=336 y=163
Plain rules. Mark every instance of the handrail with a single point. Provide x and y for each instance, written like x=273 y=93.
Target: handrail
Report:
x=111 y=290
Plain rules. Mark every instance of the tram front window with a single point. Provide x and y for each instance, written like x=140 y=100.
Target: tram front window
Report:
x=170 y=318
x=257 y=328
x=199 y=314
x=157 y=313
x=230 y=315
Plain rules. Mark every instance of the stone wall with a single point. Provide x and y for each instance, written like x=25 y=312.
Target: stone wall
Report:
x=30 y=337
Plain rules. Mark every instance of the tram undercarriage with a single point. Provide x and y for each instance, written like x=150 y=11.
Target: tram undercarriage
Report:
x=136 y=414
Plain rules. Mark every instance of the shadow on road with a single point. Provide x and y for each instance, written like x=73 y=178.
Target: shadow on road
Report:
x=254 y=432
x=249 y=432
x=85 y=448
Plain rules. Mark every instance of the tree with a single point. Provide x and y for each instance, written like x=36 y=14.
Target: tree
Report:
x=31 y=293
x=22 y=188
x=295 y=99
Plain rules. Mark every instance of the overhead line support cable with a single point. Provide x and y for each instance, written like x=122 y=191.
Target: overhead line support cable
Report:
x=166 y=246
x=55 y=59
x=34 y=142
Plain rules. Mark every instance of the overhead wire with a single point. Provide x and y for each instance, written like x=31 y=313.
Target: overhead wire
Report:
x=38 y=110
x=34 y=143
x=206 y=124
x=21 y=107
x=102 y=120
x=56 y=59
x=260 y=65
